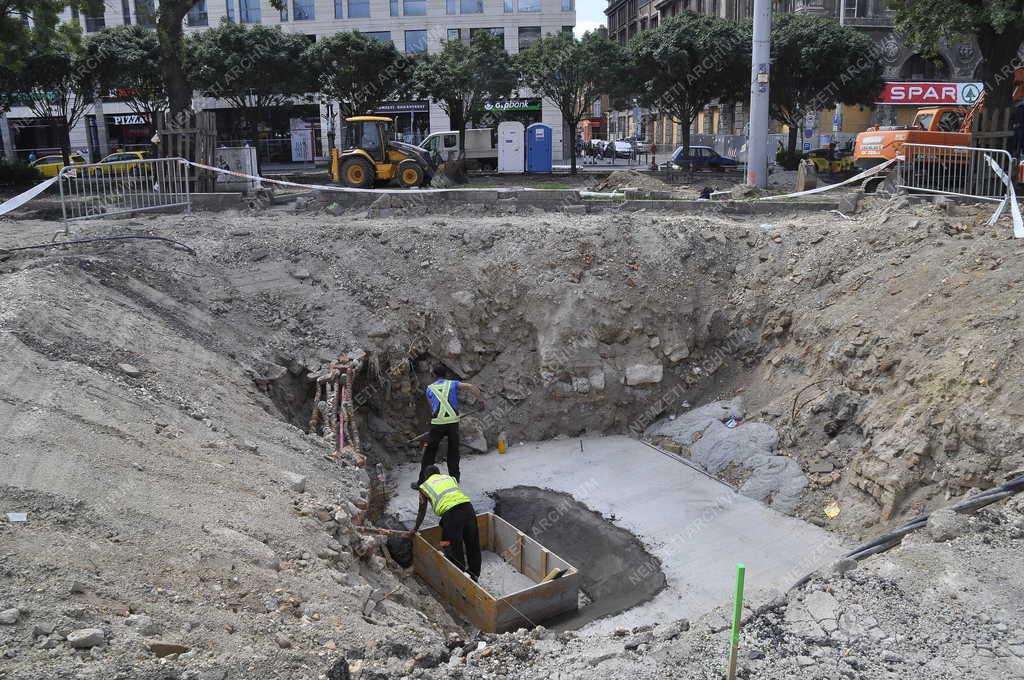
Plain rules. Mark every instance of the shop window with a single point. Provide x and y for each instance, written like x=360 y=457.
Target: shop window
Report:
x=414 y=8
x=305 y=10
x=145 y=13
x=451 y=7
x=568 y=5
x=529 y=5
x=509 y=6
x=472 y=6
x=93 y=24
x=383 y=36
x=358 y=9
x=229 y=11
x=126 y=12
x=395 y=11
x=197 y=16
x=528 y=35
x=250 y=11
x=415 y=41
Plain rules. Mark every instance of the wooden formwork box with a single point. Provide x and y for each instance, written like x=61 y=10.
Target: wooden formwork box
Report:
x=525 y=608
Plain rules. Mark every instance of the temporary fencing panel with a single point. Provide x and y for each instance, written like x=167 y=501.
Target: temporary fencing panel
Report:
x=129 y=186
x=953 y=170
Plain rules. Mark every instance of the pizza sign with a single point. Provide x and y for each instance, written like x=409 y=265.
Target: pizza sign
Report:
x=931 y=94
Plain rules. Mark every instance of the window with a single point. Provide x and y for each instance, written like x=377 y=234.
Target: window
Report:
x=304 y=10
x=249 y=11
x=74 y=14
x=499 y=32
x=197 y=16
x=454 y=35
x=229 y=11
x=93 y=24
x=126 y=12
x=358 y=9
x=394 y=8
x=472 y=6
x=568 y=5
x=529 y=5
x=383 y=36
x=415 y=8
x=567 y=30
x=145 y=13
x=339 y=9
x=284 y=12
x=415 y=41
x=528 y=35
x=451 y=7
x=510 y=6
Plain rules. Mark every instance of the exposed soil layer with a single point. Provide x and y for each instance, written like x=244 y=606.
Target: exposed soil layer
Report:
x=617 y=572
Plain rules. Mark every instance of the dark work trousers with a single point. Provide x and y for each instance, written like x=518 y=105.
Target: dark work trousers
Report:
x=1018 y=115
x=436 y=434
x=461 y=538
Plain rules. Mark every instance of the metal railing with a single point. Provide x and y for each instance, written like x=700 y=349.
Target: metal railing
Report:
x=104 y=189
x=952 y=170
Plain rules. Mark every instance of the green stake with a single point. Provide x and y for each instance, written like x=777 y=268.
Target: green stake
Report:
x=737 y=614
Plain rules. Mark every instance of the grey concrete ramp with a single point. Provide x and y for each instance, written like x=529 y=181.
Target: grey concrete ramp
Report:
x=696 y=527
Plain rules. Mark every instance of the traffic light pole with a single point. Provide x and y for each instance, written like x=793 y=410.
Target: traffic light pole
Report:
x=757 y=139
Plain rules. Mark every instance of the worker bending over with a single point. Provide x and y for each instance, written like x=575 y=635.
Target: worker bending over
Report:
x=443 y=395
x=460 y=537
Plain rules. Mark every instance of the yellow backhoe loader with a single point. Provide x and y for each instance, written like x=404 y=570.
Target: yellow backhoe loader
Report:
x=372 y=156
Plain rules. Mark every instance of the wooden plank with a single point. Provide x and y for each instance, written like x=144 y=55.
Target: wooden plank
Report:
x=535 y=605
x=460 y=591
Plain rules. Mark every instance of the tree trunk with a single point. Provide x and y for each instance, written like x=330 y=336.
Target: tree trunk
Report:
x=65 y=140
x=171 y=35
x=457 y=117
x=686 y=138
x=793 y=137
x=999 y=55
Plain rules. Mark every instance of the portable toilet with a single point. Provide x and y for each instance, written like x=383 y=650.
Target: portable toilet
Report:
x=538 y=148
x=511 y=147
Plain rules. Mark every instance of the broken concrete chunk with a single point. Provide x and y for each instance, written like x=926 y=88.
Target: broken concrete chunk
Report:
x=946 y=524
x=820 y=468
x=301 y=274
x=162 y=649
x=86 y=637
x=129 y=370
x=295 y=481
x=596 y=380
x=644 y=374
x=9 y=617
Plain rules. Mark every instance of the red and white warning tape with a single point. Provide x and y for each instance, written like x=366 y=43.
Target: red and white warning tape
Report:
x=23 y=198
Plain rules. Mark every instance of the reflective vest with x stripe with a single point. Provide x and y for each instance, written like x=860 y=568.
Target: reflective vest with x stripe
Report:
x=446 y=413
x=444 y=493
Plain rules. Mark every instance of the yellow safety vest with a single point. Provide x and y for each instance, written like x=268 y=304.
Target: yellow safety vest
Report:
x=445 y=413
x=444 y=493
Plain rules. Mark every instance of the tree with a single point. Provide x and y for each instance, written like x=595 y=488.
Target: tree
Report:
x=815 y=63
x=461 y=78
x=357 y=71
x=689 y=61
x=998 y=26
x=57 y=83
x=126 y=59
x=573 y=73
x=252 y=68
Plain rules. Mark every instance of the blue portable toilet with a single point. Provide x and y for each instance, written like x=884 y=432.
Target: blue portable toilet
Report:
x=538 y=148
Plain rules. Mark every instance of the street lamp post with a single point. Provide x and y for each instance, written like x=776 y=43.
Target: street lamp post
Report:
x=757 y=139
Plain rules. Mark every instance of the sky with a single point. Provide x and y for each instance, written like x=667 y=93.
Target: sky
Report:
x=589 y=15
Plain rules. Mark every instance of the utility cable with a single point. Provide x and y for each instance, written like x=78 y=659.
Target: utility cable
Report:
x=53 y=244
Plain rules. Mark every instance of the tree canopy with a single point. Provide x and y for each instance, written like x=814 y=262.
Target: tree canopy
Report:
x=357 y=71
x=687 y=62
x=251 y=67
x=126 y=59
x=816 y=63
x=573 y=73
x=998 y=26
x=462 y=77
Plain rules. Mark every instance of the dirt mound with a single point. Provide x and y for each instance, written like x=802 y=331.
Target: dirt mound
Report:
x=631 y=179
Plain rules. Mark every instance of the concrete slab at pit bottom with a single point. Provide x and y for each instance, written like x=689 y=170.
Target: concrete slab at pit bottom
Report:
x=697 y=528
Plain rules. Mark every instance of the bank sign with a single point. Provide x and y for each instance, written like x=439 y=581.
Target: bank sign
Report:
x=931 y=94
x=531 y=104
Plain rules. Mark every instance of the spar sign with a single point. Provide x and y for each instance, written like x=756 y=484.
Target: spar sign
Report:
x=930 y=94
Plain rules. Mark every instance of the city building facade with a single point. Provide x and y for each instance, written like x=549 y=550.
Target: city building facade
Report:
x=413 y=26
x=956 y=63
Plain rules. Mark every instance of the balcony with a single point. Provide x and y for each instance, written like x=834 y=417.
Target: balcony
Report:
x=883 y=20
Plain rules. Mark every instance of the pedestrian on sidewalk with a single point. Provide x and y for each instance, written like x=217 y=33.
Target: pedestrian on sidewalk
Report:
x=460 y=537
x=443 y=396
x=609 y=152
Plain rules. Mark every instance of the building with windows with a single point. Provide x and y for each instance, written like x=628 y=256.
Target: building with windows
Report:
x=957 y=62
x=413 y=26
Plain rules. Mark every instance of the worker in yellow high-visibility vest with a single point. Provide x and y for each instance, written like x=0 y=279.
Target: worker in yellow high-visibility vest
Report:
x=460 y=536
x=443 y=396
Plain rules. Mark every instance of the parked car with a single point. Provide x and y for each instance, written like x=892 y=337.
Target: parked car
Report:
x=623 y=149
x=701 y=157
x=49 y=166
x=119 y=163
x=641 y=145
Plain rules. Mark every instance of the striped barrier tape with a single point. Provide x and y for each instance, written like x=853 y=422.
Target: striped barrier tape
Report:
x=23 y=198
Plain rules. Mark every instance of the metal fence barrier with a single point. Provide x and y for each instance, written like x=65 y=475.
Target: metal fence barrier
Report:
x=104 y=189
x=952 y=170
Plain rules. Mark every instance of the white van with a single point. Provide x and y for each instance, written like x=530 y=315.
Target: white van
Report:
x=481 y=150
